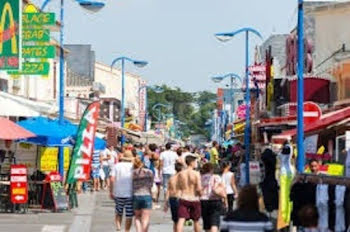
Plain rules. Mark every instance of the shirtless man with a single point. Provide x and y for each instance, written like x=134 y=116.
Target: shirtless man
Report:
x=172 y=195
x=189 y=187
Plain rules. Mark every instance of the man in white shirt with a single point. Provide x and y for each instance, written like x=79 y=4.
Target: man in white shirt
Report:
x=167 y=163
x=121 y=190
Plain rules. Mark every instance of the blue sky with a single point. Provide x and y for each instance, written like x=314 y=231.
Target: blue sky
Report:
x=176 y=37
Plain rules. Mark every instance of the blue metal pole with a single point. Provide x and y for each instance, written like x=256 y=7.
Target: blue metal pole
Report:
x=247 y=102
x=146 y=111
x=231 y=99
x=61 y=82
x=300 y=119
x=123 y=101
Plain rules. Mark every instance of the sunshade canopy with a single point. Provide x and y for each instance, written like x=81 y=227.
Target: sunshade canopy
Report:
x=11 y=131
x=53 y=134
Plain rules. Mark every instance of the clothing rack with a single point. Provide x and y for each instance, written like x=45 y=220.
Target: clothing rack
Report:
x=322 y=179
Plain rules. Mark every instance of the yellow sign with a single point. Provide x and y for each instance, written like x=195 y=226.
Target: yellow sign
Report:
x=7 y=10
x=335 y=169
x=49 y=159
x=19 y=191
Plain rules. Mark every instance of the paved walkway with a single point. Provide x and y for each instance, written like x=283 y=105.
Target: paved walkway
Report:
x=103 y=217
x=95 y=214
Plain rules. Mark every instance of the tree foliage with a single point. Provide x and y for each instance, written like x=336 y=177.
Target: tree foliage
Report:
x=192 y=109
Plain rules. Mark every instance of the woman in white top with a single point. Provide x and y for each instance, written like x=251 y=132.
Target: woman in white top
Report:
x=228 y=178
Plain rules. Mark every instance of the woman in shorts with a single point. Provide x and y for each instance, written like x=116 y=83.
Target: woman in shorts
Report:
x=142 y=195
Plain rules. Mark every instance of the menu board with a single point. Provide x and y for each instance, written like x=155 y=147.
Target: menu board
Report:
x=59 y=196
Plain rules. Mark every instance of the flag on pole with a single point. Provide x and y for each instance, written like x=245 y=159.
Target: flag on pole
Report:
x=80 y=165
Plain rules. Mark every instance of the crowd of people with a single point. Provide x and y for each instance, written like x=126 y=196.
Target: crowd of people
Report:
x=197 y=183
x=206 y=183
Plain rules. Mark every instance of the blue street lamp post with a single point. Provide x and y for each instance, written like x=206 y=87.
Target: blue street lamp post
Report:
x=232 y=76
x=156 y=89
x=224 y=37
x=137 y=63
x=300 y=118
x=90 y=5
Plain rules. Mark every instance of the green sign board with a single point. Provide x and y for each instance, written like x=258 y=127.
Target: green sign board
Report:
x=36 y=35
x=10 y=21
x=39 y=51
x=33 y=68
x=34 y=19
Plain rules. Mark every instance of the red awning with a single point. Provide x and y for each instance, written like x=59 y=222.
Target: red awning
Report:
x=11 y=131
x=325 y=121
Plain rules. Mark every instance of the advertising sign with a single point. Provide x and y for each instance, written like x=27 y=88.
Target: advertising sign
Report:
x=80 y=164
x=142 y=103
x=310 y=144
x=33 y=68
x=254 y=172
x=48 y=51
x=55 y=190
x=30 y=19
x=48 y=159
x=19 y=184
x=10 y=44
x=36 y=35
x=257 y=77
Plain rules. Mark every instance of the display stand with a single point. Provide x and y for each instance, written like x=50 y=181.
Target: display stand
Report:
x=54 y=195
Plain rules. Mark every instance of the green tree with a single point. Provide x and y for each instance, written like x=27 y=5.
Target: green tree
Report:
x=193 y=109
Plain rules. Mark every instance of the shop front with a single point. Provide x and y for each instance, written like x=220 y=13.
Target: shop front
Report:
x=39 y=155
x=329 y=184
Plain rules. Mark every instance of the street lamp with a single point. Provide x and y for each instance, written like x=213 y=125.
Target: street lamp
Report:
x=156 y=89
x=92 y=6
x=300 y=103
x=224 y=37
x=232 y=76
x=137 y=63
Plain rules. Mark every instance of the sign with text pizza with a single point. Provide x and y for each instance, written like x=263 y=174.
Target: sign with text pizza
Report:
x=10 y=28
x=33 y=68
x=80 y=165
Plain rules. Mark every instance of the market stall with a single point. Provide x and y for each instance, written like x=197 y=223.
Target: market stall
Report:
x=10 y=131
x=329 y=189
x=44 y=150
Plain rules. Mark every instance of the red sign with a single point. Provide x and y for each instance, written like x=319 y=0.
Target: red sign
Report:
x=312 y=112
x=53 y=177
x=257 y=77
x=19 y=184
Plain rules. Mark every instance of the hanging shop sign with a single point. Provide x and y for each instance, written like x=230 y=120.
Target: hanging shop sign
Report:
x=47 y=51
x=36 y=35
x=30 y=19
x=33 y=68
x=80 y=165
x=10 y=27
x=19 y=184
